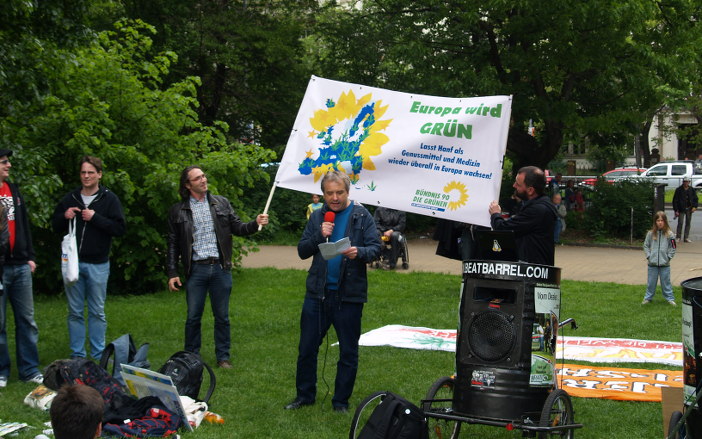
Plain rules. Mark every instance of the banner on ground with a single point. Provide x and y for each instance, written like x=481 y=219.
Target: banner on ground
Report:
x=596 y=350
x=616 y=383
x=429 y=155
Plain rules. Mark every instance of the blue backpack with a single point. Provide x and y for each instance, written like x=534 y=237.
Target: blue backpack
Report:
x=123 y=351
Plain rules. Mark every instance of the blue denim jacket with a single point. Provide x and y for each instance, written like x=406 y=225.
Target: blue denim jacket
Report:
x=353 y=279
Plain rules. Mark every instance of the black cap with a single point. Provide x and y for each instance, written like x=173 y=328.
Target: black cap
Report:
x=5 y=152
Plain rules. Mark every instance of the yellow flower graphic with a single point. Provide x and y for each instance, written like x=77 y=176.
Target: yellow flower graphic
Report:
x=462 y=194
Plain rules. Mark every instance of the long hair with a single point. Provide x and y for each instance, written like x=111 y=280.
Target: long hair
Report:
x=666 y=227
x=182 y=190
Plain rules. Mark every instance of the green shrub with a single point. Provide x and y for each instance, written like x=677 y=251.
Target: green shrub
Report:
x=615 y=210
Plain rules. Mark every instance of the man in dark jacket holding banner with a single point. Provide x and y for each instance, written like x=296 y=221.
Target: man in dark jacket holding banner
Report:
x=337 y=288
x=99 y=218
x=534 y=223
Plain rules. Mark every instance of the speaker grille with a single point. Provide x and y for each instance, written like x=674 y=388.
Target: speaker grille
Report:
x=491 y=335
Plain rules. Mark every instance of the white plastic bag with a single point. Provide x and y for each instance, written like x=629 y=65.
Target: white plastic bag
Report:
x=69 y=255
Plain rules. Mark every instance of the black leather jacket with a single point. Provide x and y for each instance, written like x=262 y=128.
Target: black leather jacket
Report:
x=181 y=230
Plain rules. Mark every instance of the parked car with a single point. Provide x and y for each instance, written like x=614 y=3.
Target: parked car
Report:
x=615 y=174
x=672 y=173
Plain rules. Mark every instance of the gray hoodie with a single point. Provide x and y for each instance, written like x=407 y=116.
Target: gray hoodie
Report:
x=659 y=251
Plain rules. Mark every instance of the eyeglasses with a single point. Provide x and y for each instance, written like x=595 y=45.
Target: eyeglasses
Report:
x=199 y=178
x=4 y=162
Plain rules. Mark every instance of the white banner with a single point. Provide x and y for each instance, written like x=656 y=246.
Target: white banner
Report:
x=430 y=155
x=592 y=349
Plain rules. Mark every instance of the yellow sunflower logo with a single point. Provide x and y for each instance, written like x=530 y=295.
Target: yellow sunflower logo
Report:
x=460 y=198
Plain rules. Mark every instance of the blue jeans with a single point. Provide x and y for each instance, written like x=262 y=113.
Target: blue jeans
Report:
x=317 y=316
x=219 y=282
x=17 y=281
x=91 y=288
x=653 y=274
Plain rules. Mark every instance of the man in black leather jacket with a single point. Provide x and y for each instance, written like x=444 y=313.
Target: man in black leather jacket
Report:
x=200 y=229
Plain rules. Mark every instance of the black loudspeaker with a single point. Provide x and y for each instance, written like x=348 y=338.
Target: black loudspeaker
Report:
x=493 y=350
x=496 y=323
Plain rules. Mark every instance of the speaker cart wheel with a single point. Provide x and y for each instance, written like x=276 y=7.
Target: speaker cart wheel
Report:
x=439 y=399
x=674 y=419
x=557 y=411
x=363 y=412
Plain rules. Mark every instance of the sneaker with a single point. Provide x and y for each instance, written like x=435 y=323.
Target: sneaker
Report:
x=3 y=382
x=672 y=302
x=688 y=240
x=645 y=302
x=37 y=379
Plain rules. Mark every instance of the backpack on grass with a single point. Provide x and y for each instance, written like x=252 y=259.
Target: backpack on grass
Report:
x=393 y=418
x=186 y=370
x=123 y=351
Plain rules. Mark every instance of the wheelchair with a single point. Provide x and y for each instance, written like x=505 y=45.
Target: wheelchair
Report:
x=386 y=251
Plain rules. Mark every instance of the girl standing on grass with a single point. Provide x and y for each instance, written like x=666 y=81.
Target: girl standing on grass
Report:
x=659 y=247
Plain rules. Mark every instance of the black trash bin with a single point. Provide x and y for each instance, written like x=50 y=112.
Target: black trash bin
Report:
x=692 y=348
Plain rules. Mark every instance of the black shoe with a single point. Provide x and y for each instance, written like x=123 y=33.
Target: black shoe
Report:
x=297 y=403
x=341 y=409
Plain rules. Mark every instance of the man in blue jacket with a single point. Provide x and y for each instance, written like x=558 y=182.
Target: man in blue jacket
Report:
x=336 y=289
x=99 y=218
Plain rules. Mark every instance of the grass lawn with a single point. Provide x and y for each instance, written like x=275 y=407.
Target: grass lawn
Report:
x=265 y=310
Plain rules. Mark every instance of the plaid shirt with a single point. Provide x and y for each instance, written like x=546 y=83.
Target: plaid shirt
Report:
x=204 y=238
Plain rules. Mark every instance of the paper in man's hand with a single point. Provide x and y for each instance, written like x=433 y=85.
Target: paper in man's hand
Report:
x=330 y=250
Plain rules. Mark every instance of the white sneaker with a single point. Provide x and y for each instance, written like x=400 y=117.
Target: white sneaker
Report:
x=672 y=302
x=645 y=302
x=3 y=382
x=37 y=379
x=688 y=240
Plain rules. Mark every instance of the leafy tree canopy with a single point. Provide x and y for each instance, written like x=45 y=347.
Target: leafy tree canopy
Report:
x=574 y=68
x=247 y=55
x=109 y=99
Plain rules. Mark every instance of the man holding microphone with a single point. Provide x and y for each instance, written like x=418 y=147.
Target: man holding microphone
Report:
x=336 y=289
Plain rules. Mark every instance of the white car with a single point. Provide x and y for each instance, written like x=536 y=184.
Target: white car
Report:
x=672 y=173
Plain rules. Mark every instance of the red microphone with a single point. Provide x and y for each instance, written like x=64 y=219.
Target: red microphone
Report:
x=329 y=218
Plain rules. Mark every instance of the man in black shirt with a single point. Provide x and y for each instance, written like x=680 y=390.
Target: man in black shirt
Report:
x=684 y=204
x=534 y=222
